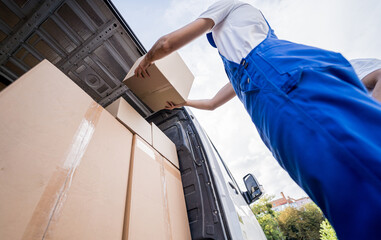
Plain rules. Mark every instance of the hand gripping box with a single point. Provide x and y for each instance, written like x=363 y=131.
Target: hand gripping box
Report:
x=170 y=80
x=64 y=161
x=155 y=200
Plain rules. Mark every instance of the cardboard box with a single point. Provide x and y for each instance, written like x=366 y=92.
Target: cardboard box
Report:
x=95 y=202
x=155 y=204
x=129 y=117
x=164 y=145
x=145 y=215
x=176 y=202
x=59 y=178
x=170 y=80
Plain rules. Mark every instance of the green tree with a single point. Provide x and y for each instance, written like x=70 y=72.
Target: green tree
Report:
x=326 y=231
x=267 y=218
x=301 y=224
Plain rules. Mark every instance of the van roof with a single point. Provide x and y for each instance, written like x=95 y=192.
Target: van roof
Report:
x=91 y=43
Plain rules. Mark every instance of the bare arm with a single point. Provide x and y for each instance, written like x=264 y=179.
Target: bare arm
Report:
x=372 y=81
x=173 y=41
x=225 y=94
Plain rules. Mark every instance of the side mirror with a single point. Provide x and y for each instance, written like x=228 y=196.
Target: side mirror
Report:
x=254 y=189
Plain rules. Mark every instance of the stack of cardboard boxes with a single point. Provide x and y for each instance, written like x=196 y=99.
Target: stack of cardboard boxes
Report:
x=70 y=170
x=154 y=179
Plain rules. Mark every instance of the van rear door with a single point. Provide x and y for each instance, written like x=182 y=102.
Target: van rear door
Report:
x=239 y=218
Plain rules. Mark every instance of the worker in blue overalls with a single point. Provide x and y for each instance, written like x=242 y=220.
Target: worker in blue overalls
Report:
x=308 y=105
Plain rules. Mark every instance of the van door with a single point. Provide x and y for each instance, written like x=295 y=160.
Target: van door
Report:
x=248 y=223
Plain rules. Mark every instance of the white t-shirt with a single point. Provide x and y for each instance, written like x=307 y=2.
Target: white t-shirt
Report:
x=238 y=28
x=365 y=66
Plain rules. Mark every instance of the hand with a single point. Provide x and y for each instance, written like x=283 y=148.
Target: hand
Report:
x=141 y=70
x=172 y=105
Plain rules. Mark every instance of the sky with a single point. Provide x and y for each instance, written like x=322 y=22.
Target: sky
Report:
x=351 y=27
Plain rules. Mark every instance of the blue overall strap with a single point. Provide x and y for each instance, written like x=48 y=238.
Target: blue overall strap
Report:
x=209 y=36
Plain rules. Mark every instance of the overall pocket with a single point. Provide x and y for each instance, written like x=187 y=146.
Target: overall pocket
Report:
x=290 y=59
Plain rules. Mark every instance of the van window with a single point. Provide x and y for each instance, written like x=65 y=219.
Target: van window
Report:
x=224 y=169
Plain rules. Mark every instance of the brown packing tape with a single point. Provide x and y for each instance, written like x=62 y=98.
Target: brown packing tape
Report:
x=167 y=218
x=129 y=186
x=55 y=193
x=172 y=170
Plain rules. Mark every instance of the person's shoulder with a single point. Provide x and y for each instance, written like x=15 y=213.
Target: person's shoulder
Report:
x=244 y=5
x=364 y=60
x=220 y=3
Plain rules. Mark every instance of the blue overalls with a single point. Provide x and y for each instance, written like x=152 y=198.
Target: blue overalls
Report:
x=315 y=116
